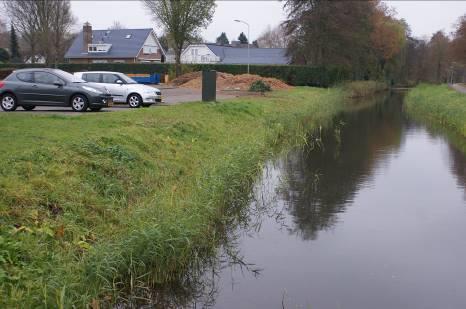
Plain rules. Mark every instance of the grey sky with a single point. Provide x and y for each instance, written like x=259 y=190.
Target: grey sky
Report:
x=424 y=17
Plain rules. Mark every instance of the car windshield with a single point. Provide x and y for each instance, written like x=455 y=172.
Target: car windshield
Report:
x=69 y=77
x=127 y=79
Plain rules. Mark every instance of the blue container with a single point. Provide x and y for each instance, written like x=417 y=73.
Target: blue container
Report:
x=153 y=79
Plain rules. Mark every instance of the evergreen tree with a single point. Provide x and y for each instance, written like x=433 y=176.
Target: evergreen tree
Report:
x=14 y=47
x=223 y=39
x=242 y=38
x=4 y=55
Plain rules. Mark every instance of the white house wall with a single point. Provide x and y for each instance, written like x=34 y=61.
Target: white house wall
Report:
x=150 y=45
x=198 y=54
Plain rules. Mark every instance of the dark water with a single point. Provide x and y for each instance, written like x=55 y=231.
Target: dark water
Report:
x=373 y=217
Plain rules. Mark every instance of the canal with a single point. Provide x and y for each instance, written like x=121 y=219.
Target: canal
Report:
x=370 y=214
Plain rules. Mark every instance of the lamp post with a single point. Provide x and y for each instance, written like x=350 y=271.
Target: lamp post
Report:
x=243 y=22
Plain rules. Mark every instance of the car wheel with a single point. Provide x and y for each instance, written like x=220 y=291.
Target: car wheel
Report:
x=28 y=107
x=9 y=102
x=96 y=109
x=134 y=100
x=79 y=103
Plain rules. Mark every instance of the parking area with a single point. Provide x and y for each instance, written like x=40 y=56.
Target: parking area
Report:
x=171 y=96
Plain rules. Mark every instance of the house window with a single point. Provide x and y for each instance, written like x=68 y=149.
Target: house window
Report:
x=99 y=48
x=149 y=50
x=99 y=61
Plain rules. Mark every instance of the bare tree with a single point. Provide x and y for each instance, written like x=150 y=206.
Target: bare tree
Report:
x=458 y=45
x=3 y=35
x=43 y=25
x=61 y=22
x=24 y=18
x=438 y=57
x=116 y=25
x=273 y=38
x=181 y=20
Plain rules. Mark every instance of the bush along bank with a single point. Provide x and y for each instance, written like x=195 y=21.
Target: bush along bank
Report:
x=361 y=89
x=92 y=203
x=440 y=105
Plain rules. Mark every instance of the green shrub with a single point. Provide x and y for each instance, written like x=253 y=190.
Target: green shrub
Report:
x=358 y=89
x=260 y=86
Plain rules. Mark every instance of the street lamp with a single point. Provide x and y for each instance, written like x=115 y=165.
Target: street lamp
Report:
x=243 y=22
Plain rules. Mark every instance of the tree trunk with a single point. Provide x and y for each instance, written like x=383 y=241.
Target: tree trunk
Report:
x=33 y=52
x=178 y=62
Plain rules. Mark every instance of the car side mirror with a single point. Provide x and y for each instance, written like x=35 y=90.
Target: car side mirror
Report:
x=119 y=81
x=58 y=84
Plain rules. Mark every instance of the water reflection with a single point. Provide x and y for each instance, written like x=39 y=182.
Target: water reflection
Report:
x=458 y=166
x=321 y=183
x=371 y=219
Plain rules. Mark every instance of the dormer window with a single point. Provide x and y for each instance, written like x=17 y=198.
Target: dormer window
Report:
x=99 y=48
x=128 y=36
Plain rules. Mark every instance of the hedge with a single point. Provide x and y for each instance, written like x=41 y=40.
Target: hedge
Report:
x=292 y=74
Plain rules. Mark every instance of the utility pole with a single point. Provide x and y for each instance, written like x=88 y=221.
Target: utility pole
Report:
x=243 y=22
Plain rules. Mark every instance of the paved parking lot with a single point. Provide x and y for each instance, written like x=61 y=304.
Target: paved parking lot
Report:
x=171 y=96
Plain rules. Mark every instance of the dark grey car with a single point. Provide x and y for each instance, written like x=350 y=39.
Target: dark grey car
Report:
x=29 y=88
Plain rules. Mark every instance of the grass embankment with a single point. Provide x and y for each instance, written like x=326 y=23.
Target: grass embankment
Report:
x=92 y=203
x=439 y=105
x=360 y=89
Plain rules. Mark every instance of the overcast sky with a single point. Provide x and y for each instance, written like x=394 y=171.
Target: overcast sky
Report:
x=424 y=17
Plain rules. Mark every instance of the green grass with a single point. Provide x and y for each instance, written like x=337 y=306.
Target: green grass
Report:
x=90 y=204
x=439 y=105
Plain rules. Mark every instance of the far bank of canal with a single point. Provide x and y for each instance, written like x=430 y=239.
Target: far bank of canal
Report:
x=374 y=216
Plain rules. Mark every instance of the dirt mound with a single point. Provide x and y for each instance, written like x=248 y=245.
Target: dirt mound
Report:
x=227 y=81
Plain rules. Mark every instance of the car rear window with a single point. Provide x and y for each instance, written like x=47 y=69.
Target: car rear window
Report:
x=92 y=77
x=25 y=77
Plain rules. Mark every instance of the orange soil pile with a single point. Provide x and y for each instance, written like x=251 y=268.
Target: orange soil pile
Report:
x=227 y=81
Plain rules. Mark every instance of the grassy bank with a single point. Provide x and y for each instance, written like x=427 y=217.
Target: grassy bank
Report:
x=439 y=105
x=90 y=204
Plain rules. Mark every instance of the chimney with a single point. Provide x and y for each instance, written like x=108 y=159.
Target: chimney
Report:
x=87 y=36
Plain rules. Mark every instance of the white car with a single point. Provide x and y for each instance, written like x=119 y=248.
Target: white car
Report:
x=123 y=89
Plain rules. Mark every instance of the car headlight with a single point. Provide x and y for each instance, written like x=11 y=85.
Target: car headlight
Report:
x=92 y=89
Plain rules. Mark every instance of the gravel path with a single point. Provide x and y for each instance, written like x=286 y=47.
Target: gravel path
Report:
x=459 y=87
x=171 y=96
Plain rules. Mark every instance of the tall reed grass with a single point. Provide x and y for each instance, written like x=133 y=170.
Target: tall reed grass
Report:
x=440 y=105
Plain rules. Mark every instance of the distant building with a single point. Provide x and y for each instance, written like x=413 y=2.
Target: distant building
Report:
x=219 y=54
x=115 y=46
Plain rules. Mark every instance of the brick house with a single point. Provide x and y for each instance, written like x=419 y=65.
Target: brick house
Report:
x=115 y=46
